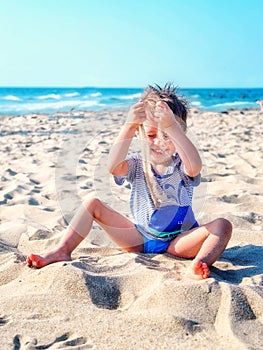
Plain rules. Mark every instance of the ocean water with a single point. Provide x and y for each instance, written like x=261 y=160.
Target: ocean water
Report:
x=16 y=101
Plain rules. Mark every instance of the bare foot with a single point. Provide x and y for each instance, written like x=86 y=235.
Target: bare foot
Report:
x=198 y=270
x=38 y=261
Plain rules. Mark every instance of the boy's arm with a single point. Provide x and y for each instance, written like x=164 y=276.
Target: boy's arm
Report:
x=185 y=148
x=117 y=164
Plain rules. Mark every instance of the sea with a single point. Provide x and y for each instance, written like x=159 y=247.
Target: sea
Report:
x=16 y=101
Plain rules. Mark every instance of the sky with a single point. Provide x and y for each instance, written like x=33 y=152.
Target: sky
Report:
x=120 y=43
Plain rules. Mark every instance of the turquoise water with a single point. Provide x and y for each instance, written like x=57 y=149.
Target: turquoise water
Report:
x=16 y=101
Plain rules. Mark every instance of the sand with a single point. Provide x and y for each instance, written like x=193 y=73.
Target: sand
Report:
x=106 y=298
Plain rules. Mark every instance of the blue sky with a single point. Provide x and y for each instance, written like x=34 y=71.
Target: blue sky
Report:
x=193 y=43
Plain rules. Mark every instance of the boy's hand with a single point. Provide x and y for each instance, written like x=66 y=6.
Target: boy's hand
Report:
x=136 y=115
x=164 y=115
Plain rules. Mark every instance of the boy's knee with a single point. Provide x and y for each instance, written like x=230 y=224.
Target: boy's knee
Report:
x=90 y=202
x=95 y=207
x=225 y=226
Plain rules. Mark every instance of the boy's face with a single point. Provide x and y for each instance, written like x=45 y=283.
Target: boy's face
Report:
x=160 y=147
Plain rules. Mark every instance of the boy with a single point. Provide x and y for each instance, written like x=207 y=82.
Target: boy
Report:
x=161 y=191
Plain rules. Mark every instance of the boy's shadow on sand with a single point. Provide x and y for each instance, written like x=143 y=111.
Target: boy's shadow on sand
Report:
x=247 y=261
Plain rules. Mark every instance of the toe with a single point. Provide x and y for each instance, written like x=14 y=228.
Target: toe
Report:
x=34 y=261
x=206 y=271
x=29 y=261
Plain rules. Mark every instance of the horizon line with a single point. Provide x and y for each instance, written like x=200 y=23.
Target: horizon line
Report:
x=121 y=87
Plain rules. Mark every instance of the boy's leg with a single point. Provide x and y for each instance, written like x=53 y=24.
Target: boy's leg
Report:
x=120 y=229
x=205 y=243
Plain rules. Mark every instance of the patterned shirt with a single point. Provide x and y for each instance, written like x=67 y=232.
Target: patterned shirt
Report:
x=176 y=186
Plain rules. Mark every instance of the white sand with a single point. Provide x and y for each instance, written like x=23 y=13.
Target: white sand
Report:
x=105 y=298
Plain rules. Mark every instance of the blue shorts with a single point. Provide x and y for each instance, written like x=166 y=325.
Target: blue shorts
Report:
x=166 y=222
x=152 y=246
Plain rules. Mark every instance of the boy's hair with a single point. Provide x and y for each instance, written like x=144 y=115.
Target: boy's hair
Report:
x=168 y=94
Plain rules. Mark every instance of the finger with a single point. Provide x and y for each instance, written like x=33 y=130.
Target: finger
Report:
x=162 y=104
x=139 y=104
x=139 y=110
x=140 y=114
x=159 y=112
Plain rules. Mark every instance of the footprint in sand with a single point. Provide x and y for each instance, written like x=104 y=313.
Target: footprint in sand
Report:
x=4 y=320
x=62 y=342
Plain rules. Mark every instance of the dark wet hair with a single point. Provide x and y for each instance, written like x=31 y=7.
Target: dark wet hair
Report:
x=169 y=93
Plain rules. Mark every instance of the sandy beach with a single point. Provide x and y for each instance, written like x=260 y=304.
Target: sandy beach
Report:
x=106 y=298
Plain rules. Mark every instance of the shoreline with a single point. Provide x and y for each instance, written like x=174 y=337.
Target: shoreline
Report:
x=73 y=112
x=134 y=300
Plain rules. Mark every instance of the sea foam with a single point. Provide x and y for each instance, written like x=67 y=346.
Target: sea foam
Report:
x=11 y=98
x=71 y=94
x=49 y=96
